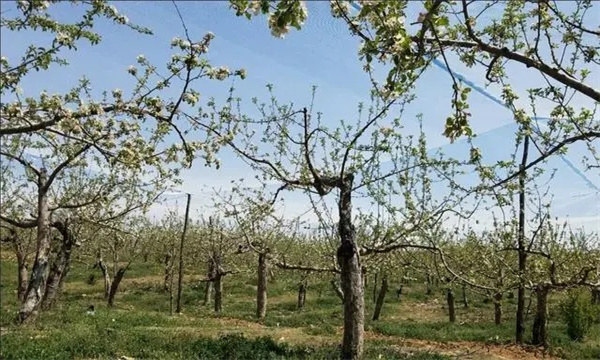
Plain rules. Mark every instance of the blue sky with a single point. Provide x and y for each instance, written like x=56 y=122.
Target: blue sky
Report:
x=322 y=54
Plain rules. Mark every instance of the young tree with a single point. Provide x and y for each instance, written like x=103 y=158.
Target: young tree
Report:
x=124 y=136
x=298 y=150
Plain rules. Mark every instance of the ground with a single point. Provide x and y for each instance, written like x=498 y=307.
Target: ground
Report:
x=141 y=327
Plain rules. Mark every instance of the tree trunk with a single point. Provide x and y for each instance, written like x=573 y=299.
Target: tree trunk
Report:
x=498 y=308
x=60 y=267
x=168 y=262
x=522 y=251
x=180 y=275
x=105 y=275
x=351 y=276
x=39 y=272
x=450 y=300
x=261 y=290
x=380 y=298
x=218 y=292
x=540 y=322
x=210 y=275
x=115 y=286
x=464 y=297
x=375 y=281
x=301 y=295
x=337 y=289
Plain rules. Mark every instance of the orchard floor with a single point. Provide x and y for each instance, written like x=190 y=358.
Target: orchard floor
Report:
x=141 y=327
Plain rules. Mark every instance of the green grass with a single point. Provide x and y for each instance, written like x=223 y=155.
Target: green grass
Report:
x=140 y=325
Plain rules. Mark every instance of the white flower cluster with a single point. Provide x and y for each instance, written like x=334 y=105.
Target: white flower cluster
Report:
x=191 y=98
x=386 y=131
x=220 y=73
x=132 y=70
x=276 y=30
x=254 y=7
x=338 y=8
x=24 y=5
x=64 y=39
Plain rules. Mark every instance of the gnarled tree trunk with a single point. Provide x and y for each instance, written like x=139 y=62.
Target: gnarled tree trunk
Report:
x=21 y=254
x=351 y=276
x=60 y=267
x=105 y=275
x=32 y=298
x=450 y=301
x=115 y=285
x=540 y=321
x=380 y=298
x=261 y=289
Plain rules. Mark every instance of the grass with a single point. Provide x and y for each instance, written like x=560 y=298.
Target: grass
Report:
x=140 y=325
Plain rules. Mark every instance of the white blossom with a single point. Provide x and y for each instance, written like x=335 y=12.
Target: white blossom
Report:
x=190 y=98
x=63 y=39
x=132 y=70
x=338 y=8
x=175 y=41
x=221 y=73
x=254 y=7
x=276 y=30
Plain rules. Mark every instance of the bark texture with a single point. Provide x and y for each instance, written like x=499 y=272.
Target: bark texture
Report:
x=115 y=286
x=105 y=275
x=380 y=298
x=60 y=267
x=498 y=308
x=540 y=321
x=261 y=290
x=450 y=301
x=32 y=298
x=351 y=276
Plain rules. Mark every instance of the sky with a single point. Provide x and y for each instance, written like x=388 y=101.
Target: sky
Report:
x=322 y=54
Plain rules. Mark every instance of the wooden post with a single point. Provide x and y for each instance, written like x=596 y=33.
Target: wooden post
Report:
x=180 y=279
